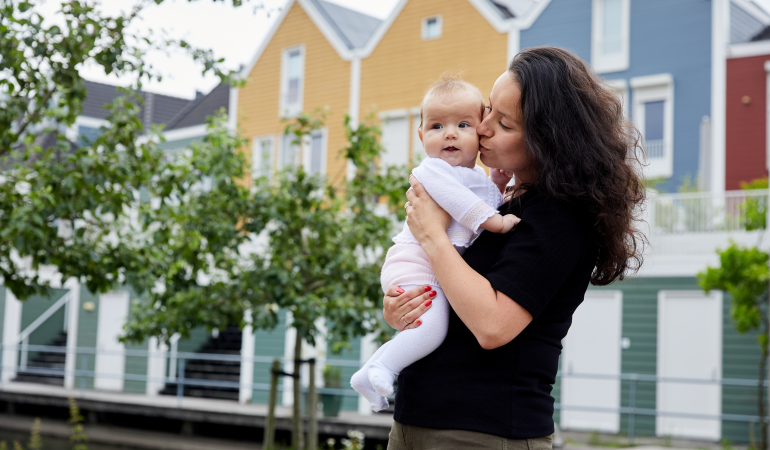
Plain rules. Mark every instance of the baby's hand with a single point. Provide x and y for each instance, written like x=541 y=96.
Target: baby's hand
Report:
x=509 y=221
x=500 y=178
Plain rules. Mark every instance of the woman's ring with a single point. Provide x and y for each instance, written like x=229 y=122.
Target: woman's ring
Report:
x=406 y=205
x=404 y=320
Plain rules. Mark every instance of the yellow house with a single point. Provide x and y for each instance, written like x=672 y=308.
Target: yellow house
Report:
x=321 y=55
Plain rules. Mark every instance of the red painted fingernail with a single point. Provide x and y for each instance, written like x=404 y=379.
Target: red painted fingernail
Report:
x=428 y=302
x=400 y=291
x=419 y=322
x=432 y=293
x=427 y=288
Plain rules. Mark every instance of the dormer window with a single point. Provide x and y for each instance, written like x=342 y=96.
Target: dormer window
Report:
x=431 y=28
x=292 y=74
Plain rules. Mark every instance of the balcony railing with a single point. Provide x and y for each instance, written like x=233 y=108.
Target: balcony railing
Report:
x=706 y=212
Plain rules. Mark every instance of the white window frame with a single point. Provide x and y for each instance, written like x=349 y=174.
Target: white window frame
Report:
x=256 y=155
x=440 y=24
x=650 y=89
x=620 y=89
x=307 y=152
x=613 y=63
x=286 y=109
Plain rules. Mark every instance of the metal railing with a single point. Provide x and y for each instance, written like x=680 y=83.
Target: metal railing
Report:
x=656 y=148
x=706 y=212
x=178 y=378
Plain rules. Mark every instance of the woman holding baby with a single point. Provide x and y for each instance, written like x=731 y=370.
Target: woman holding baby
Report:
x=561 y=133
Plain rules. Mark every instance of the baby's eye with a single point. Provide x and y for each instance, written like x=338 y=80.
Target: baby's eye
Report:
x=437 y=126
x=464 y=125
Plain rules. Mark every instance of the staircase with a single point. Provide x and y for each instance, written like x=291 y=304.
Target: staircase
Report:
x=46 y=360
x=227 y=343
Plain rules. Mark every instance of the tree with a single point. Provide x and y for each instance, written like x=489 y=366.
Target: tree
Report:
x=293 y=242
x=743 y=273
x=62 y=205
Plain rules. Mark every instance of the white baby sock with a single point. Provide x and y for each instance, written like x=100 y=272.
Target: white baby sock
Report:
x=360 y=382
x=381 y=379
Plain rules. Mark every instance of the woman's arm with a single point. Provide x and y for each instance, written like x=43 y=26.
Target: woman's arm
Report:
x=493 y=317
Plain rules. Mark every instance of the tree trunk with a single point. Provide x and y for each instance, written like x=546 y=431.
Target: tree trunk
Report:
x=296 y=429
x=761 y=403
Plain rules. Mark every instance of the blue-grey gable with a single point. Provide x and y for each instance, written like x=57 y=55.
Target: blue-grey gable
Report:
x=667 y=36
x=743 y=25
x=353 y=28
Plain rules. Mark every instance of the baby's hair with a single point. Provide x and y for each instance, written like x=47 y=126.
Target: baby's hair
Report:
x=449 y=83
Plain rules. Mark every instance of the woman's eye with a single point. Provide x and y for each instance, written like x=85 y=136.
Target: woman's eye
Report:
x=504 y=127
x=488 y=108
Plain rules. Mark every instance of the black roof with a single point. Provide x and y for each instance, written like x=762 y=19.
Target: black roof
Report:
x=196 y=112
x=504 y=11
x=157 y=108
x=762 y=35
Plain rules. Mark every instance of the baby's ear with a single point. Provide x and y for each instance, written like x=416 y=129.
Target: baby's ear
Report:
x=419 y=133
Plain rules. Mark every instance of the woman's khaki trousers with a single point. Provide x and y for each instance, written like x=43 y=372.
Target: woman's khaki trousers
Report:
x=409 y=437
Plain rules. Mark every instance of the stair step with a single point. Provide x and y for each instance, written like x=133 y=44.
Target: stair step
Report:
x=212 y=376
x=50 y=358
x=41 y=379
x=46 y=364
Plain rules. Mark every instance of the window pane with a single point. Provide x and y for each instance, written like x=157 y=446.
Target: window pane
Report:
x=653 y=128
x=612 y=26
x=431 y=28
x=292 y=96
x=265 y=154
x=316 y=153
x=289 y=151
x=294 y=64
x=293 y=76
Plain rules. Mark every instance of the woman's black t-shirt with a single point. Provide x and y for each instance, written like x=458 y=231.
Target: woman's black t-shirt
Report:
x=544 y=265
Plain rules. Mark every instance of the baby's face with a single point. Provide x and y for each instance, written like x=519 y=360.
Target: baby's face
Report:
x=449 y=128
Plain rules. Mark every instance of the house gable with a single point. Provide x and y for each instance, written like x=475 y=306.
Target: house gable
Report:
x=326 y=82
x=402 y=65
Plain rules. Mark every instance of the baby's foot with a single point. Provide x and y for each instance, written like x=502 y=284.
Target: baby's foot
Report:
x=360 y=382
x=381 y=380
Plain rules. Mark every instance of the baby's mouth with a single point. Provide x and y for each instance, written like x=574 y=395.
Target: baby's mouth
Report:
x=451 y=149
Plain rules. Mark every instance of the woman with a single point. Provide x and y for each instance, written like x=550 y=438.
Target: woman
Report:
x=563 y=135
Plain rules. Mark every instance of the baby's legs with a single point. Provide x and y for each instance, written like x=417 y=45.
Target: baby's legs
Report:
x=409 y=345
x=360 y=382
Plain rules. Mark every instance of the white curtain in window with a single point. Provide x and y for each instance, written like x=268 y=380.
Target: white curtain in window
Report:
x=316 y=153
x=289 y=151
x=612 y=27
x=294 y=74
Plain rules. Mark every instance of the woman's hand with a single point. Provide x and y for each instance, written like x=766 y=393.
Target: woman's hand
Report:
x=426 y=219
x=402 y=309
x=501 y=178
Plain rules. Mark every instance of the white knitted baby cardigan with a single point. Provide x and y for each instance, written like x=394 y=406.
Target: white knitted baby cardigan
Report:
x=468 y=195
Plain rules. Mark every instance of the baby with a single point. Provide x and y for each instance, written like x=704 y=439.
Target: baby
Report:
x=450 y=112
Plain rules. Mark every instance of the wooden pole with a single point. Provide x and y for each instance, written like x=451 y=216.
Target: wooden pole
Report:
x=268 y=440
x=296 y=429
x=311 y=407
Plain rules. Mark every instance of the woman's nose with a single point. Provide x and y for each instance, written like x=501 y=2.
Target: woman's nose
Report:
x=482 y=129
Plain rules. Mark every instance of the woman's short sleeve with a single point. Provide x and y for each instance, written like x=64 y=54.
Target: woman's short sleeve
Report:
x=546 y=246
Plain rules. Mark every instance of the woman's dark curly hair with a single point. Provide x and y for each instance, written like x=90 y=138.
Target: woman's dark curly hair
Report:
x=585 y=151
